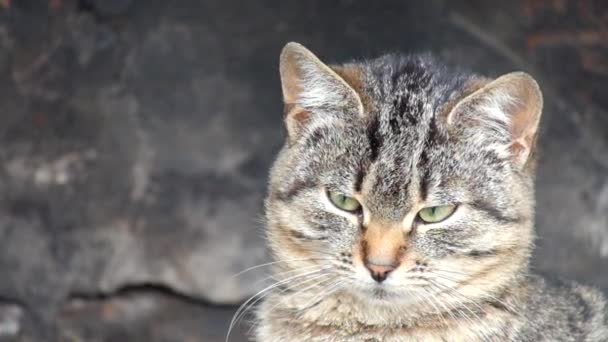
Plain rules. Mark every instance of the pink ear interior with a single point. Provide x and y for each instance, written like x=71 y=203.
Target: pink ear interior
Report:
x=291 y=73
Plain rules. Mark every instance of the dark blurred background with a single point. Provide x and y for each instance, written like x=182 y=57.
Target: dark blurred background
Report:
x=136 y=135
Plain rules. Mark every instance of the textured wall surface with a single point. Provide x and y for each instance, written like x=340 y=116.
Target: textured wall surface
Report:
x=135 y=138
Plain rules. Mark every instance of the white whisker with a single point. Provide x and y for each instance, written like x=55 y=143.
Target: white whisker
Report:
x=277 y=262
x=245 y=306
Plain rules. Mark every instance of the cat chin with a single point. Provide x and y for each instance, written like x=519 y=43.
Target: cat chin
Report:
x=383 y=296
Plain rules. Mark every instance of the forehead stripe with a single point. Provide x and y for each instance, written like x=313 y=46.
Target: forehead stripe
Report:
x=375 y=138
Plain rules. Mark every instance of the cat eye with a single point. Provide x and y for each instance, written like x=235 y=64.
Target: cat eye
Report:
x=436 y=214
x=344 y=202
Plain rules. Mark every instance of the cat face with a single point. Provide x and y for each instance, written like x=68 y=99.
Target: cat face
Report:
x=401 y=181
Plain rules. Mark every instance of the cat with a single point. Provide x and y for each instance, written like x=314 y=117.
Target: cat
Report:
x=401 y=208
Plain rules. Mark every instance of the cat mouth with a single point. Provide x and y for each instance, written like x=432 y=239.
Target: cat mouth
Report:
x=380 y=293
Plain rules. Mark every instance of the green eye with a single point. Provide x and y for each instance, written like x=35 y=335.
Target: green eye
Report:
x=436 y=214
x=343 y=202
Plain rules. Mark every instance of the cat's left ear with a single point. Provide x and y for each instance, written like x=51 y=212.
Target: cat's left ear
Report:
x=509 y=109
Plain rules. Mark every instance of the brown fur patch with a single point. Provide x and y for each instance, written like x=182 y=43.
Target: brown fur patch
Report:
x=295 y=118
x=288 y=241
x=383 y=245
x=353 y=76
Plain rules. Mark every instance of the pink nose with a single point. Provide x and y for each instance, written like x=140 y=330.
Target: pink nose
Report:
x=379 y=272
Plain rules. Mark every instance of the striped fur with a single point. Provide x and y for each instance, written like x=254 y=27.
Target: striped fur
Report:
x=400 y=133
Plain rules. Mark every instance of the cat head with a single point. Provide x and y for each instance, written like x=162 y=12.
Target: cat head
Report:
x=401 y=179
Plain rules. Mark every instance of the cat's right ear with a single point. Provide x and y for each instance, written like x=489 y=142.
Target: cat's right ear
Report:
x=309 y=85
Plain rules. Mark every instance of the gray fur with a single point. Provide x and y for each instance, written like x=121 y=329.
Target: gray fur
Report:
x=416 y=135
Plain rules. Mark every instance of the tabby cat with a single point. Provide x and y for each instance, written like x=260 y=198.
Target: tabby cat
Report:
x=401 y=208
